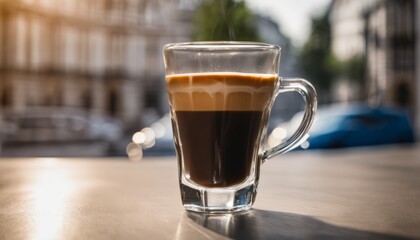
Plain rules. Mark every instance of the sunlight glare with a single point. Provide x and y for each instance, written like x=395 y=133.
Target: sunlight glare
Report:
x=52 y=189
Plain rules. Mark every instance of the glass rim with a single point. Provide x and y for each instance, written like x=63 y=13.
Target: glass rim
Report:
x=222 y=46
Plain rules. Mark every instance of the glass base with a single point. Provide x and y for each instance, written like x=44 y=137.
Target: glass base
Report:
x=217 y=200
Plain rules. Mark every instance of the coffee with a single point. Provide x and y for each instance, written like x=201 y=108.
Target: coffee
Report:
x=218 y=120
x=220 y=154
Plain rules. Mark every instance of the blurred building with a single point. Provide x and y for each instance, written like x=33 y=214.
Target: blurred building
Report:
x=383 y=33
x=103 y=56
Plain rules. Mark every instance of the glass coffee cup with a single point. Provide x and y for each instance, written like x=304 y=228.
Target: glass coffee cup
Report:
x=220 y=96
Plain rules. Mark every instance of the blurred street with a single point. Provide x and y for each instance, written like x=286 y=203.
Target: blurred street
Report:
x=86 y=78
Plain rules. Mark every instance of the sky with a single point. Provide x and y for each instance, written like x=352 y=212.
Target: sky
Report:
x=294 y=16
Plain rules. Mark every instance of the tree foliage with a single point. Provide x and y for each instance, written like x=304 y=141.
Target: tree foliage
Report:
x=316 y=58
x=320 y=65
x=354 y=68
x=223 y=20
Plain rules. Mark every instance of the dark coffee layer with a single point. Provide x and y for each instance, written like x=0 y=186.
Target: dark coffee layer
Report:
x=218 y=147
x=220 y=91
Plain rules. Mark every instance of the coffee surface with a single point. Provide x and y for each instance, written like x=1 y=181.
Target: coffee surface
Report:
x=220 y=91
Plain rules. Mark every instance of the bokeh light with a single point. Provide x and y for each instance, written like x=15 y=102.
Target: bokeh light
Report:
x=134 y=152
x=159 y=129
x=138 y=138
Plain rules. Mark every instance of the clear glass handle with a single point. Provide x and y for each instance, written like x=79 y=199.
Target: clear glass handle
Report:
x=309 y=94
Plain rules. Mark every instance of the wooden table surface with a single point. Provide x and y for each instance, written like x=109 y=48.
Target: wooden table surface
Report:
x=370 y=193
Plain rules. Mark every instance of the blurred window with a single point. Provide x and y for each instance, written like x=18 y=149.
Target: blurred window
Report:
x=367 y=121
x=112 y=103
x=87 y=100
x=5 y=96
x=151 y=99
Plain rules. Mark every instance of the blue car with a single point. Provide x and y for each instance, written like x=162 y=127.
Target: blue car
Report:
x=350 y=126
